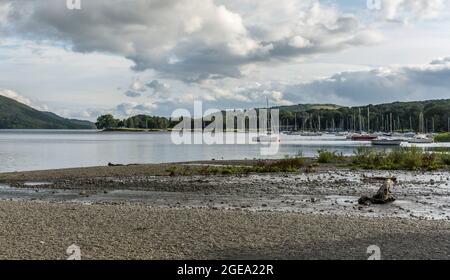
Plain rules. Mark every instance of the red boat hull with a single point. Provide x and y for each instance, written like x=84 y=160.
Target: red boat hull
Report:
x=363 y=138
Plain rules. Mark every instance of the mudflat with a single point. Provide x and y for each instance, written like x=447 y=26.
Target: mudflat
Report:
x=147 y=212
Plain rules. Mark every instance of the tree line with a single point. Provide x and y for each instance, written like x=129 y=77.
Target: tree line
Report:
x=421 y=116
x=140 y=122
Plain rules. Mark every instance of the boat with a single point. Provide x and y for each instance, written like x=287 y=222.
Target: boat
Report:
x=340 y=134
x=311 y=134
x=420 y=139
x=363 y=137
x=292 y=133
x=409 y=134
x=387 y=142
x=267 y=139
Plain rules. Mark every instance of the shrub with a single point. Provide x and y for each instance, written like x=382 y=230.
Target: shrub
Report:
x=443 y=137
x=405 y=158
x=328 y=157
x=284 y=165
x=445 y=158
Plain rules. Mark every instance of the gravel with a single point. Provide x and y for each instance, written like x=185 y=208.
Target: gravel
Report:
x=38 y=230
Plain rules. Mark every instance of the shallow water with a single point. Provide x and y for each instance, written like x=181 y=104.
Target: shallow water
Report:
x=24 y=150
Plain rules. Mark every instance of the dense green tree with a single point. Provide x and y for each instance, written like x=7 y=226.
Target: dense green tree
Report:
x=107 y=121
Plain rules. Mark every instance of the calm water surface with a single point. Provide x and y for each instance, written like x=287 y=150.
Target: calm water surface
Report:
x=22 y=150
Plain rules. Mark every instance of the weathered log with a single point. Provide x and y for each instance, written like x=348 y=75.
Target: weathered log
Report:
x=383 y=196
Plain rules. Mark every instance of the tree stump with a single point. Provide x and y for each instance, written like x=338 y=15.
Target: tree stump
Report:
x=383 y=196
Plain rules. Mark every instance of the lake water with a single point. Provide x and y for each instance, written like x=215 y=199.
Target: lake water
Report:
x=23 y=150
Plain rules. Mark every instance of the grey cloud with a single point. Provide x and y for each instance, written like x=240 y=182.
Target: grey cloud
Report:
x=377 y=86
x=159 y=88
x=191 y=40
x=132 y=108
x=444 y=60
x=132 y=94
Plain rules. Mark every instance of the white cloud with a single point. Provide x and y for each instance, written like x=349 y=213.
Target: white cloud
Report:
x=132 y=108
x=138 y=86
x=4 y=11
x=122 y=110
x=136 y=89
x=413 y=10
x=388 y=84
x=22 y=99
x=192 y=40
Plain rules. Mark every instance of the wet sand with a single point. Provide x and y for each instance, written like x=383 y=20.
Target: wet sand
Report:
x=139 y=212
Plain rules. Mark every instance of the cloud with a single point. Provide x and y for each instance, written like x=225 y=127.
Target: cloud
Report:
x=135 y=89
x=138 y=86
x=160 y=89
x=4 y=11
x=193 y=40
x=413 y=10
x=122 y=110
x=132 y=108
x=380 y=85
x=22 y=99
x=441 y=61
x=418 y=82
x=132 y=94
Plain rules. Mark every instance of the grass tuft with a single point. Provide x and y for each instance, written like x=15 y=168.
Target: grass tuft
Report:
x=400 y=159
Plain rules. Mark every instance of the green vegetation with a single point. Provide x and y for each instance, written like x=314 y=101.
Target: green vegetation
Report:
x=365 y=158
x=287 y=165
x=400 y=159
x=398 y=116
x=284 y=165
x=443 y=137
x=15 y=115
x=106 y=122
x=329 y=157
x=423 y=116
x=136 y=123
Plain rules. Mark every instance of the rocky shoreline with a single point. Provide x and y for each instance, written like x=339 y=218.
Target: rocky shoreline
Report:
x=108 y=202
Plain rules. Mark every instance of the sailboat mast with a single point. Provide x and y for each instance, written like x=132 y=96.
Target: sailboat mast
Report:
x=268 y=124
x=360 y=120
x=319 y=122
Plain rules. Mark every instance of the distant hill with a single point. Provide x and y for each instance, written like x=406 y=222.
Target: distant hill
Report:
x=15 y=115
x=424 y=116
x=421 y=116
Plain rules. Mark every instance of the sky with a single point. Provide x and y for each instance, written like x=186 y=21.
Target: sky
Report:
x=128 y=57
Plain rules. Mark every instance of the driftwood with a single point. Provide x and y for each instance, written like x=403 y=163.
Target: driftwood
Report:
x=383 y=196
x=117 y=165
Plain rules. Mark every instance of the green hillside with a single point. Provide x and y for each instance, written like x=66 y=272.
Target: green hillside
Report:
x=423 y=116
x=15 y=115
x=420 y=116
